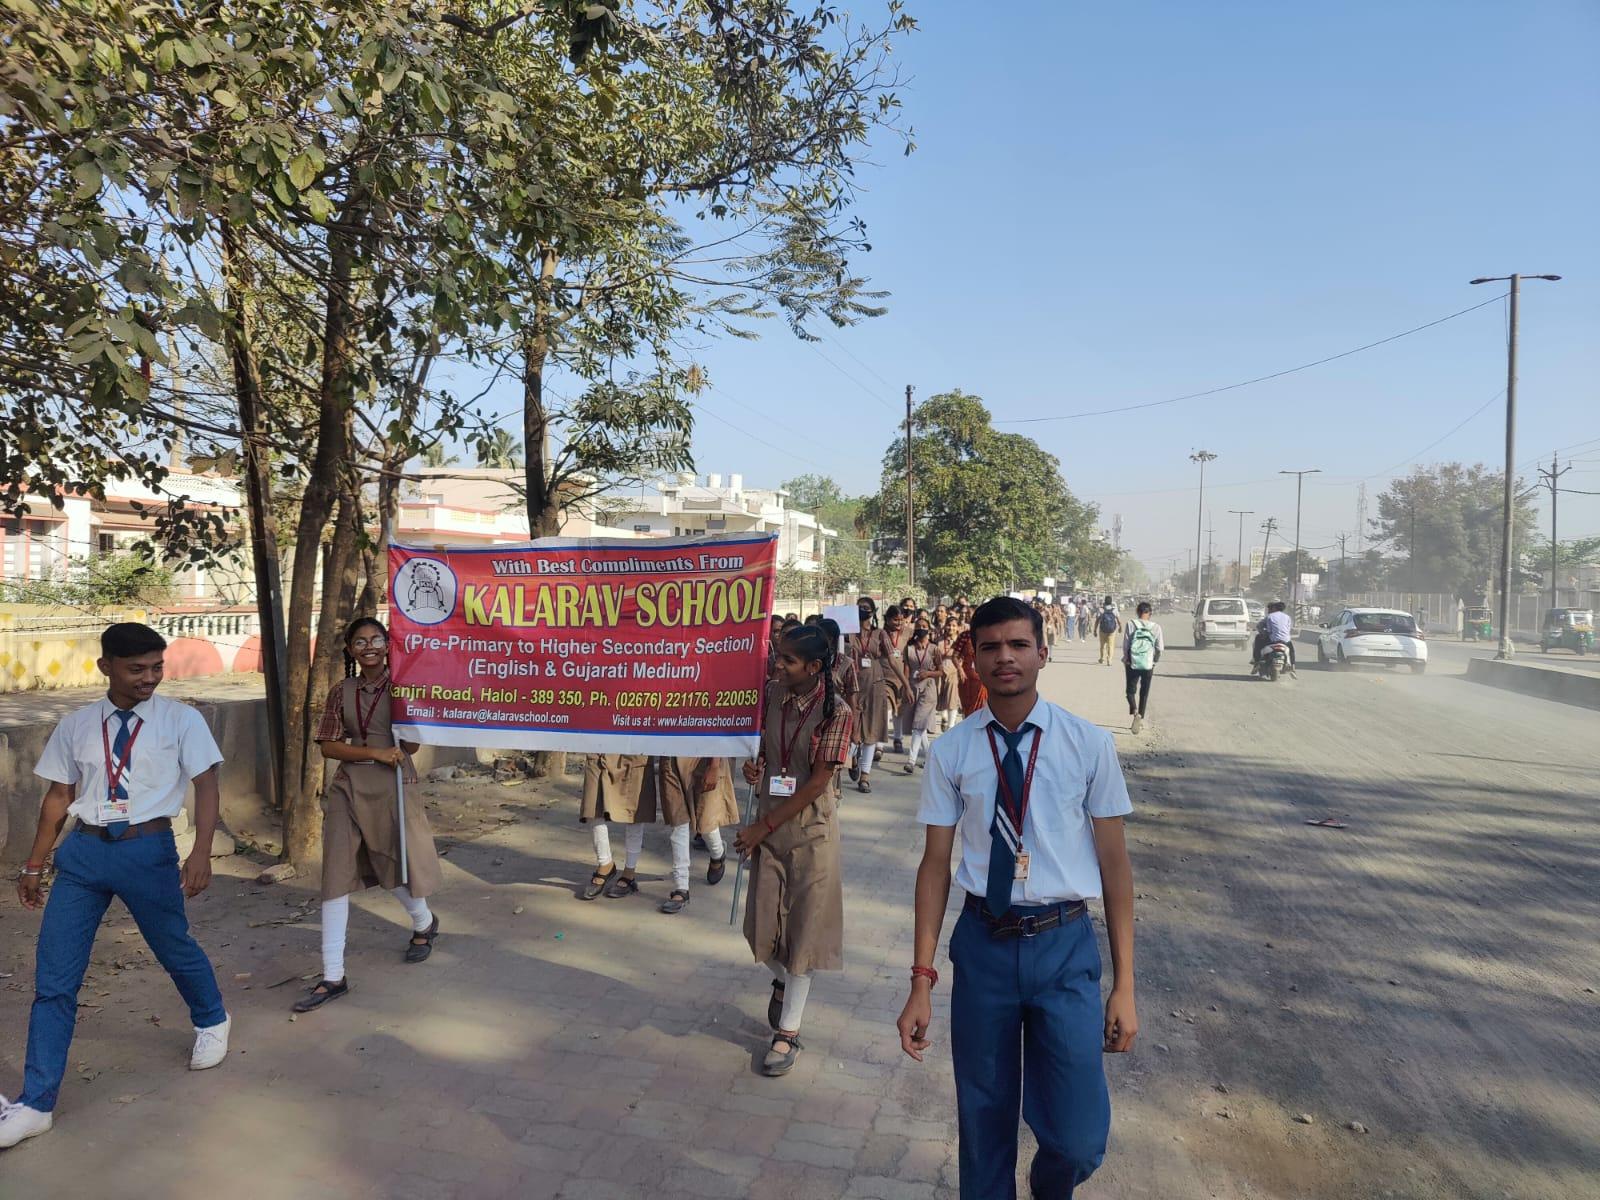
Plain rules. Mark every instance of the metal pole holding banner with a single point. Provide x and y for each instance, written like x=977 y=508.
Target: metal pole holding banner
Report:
x=400 y=814
x=747 y=816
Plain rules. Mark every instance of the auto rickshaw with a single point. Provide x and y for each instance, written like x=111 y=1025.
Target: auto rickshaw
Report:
x=1477 y=624
x=1567 y=629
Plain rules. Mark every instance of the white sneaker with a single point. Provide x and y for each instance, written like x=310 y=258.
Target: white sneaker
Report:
x=1138 y=722
x=210 y=1046
x=18 y=1122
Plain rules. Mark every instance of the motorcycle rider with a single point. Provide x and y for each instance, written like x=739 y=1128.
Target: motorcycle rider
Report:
x=1275 y=627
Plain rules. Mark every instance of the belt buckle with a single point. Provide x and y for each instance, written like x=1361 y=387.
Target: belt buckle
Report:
x=1028 y=926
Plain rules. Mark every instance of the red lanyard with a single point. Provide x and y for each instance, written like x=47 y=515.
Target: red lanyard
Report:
x=1016 y=809
x=114 y=772
x=364 y=720
x=785 y=742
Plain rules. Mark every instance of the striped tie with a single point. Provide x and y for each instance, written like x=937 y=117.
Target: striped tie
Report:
x=1005 y=840
x=118 y=747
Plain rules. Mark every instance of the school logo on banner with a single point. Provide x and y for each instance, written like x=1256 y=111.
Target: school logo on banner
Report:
x=424 y=589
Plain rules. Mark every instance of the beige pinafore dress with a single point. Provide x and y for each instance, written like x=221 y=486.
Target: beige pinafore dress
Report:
x=794 y=911
x=672 y=787
x=360 y=827
x=872 y=703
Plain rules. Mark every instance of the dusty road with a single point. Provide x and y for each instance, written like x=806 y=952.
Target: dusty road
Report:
x=1422 y=972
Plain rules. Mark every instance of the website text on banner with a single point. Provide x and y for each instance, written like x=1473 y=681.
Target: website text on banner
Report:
x=592 y=645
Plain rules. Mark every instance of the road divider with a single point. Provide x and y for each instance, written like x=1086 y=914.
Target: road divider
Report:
x=1547 y=683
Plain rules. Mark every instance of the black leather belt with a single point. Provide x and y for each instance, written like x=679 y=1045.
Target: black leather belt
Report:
x=158 y=825
x=1025 y=921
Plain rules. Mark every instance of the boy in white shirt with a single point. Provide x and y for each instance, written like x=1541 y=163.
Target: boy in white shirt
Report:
x=122 y=767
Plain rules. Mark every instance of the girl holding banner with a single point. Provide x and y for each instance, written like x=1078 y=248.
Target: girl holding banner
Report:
x=362 y=837
x=794 y=913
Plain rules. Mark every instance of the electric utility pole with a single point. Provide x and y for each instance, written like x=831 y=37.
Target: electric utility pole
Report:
x=1550 y=480
x=1202 y=457
x=1268 y=527
x=1508 y=513
x=1299 y=488
x=1238 y=563
x=911 y=528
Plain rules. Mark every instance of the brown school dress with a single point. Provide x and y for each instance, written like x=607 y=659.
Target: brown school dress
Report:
x=672 y=786
x=949 y=680
x=794 y=911
x=612 y=785
x=871 y=703
x=360 y=832
x=925 y=693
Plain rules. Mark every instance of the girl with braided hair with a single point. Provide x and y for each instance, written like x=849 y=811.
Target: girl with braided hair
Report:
x=794 y=911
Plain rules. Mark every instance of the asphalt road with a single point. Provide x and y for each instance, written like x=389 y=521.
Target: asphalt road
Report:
x=1429 y=971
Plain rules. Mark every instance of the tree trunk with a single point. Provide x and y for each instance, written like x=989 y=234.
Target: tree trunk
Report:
x=258 y=492
x=544 y=503
x=303 y=767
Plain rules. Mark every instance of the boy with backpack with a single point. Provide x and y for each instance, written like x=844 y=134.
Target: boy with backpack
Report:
x=1142 y=644
x=1106 y=625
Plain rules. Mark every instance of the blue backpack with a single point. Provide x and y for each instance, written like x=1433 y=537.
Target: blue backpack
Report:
x=1108 y=621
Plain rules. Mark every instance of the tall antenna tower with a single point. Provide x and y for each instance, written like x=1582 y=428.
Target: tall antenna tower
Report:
x=1361 y=520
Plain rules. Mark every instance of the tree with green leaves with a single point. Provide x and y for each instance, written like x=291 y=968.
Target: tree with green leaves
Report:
x=992 y=509
x=1442 y=527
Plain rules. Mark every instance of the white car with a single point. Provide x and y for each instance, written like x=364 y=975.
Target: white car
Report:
x=1384 y=635
x=1222 y=619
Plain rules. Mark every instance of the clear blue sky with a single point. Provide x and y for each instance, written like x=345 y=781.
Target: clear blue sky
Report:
x=1118 y=203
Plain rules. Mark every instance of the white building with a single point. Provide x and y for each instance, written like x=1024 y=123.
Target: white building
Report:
x=455 y=505
x=53 y=543
x=680 y=506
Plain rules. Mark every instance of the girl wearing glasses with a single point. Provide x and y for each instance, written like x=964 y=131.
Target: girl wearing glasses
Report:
x=360 y=830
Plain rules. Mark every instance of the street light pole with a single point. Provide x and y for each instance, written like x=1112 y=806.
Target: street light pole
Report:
x=1509 y=508
x=911 y=525
x=1238 y=563
x=1299 y=487
x=1202 y=457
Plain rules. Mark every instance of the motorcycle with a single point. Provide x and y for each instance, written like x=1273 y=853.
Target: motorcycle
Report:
x=1275 y=661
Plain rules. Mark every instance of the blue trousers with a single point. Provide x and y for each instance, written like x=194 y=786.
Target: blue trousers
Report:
x=1027 y=1031
x=143 y=874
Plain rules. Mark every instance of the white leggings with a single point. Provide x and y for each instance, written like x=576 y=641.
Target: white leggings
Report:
x=919 y=739
x=633 y=842
x=680 y=853
x=796 y=988
x=336 y=926
x=864 y=756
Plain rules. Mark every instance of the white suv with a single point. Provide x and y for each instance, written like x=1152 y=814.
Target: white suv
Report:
x=1383 y=635
x=1222 y=619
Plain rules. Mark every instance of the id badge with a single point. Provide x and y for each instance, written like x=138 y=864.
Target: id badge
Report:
x=1022 y=867
x=781 y=785
x=866 y=662
x=112 y=809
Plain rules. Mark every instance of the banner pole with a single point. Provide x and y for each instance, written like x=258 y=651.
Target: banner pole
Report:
x=400 y=812
x=748 y=815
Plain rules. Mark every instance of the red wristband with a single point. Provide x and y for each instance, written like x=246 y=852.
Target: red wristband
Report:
x=927 y=973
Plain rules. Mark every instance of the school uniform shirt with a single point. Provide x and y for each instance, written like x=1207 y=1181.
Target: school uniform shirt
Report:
x=1077 y=777
x=172 y=746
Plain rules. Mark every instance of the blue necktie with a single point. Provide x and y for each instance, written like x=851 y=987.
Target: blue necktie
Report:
x=1002 y=855
x=125 y=715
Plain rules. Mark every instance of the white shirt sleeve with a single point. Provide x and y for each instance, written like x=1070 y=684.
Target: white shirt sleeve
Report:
x=57 y=763
x=1108 y=791
x=197 y=749
x=941 y=798
x=1161 y=640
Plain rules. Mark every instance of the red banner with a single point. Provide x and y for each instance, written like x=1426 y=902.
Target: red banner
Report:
x=592 y=645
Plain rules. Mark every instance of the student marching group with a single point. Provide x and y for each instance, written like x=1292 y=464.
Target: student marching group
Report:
x=123 y=766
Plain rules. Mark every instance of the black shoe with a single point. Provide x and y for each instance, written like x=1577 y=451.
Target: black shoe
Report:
x=715 y=870
x=675 y=903
x=699 y=841
x=855 y=772
x=321 y=994
x=622 y=885
x=418 y=951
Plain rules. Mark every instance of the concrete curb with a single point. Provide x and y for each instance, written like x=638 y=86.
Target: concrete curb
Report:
x=1564 y=687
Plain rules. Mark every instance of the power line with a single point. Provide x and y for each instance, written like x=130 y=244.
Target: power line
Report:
x=869 y=391
x=1249 y=382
